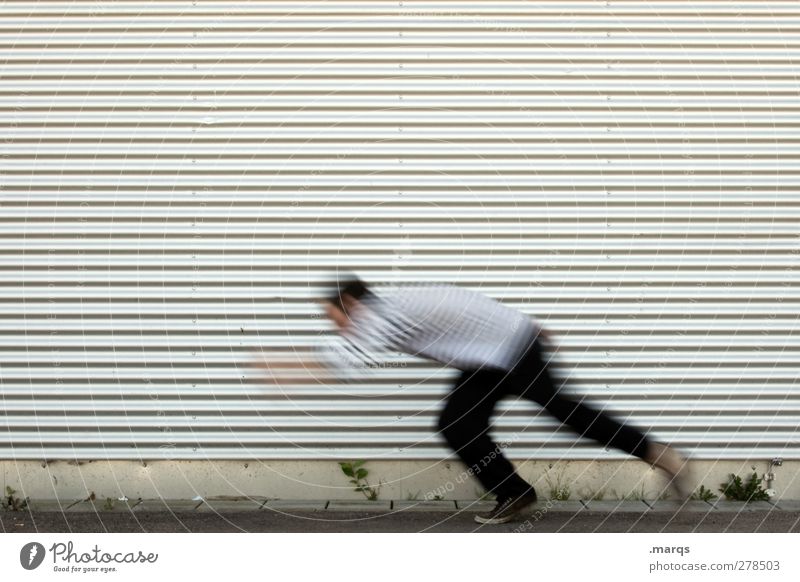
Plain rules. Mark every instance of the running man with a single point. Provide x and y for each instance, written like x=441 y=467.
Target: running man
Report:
x=499 y=351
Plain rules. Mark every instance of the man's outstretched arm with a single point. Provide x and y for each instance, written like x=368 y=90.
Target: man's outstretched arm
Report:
x=302 y=367
x=334 y=359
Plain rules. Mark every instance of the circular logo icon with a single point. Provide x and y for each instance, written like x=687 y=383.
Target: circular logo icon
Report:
x=31 y=555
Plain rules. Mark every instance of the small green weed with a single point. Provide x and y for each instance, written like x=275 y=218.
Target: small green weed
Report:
x=703 y=494
x=593 y=495
x=13 y=503
x=635 y=495
x=358 y=477
x=737 y=490
x=559 y=488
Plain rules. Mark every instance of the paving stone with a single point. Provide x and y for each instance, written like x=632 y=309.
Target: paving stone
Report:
x=366 y=505
x=556 y=506
x=223 y=505
x=737 y=506
x=616 y=506
x=99 y=506
x=788 y=504
x=230 y=504
x=673 y=506
x=432 y=505
x=49 y=505
x=168 y=505
x=289 y=505
x=474 y=505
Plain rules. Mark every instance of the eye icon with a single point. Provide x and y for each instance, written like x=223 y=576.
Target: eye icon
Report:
x=31 y=555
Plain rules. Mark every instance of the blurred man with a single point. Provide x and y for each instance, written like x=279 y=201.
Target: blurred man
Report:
x=499 y=351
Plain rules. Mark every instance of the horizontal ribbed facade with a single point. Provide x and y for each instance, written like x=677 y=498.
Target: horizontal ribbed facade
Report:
x=179 y=179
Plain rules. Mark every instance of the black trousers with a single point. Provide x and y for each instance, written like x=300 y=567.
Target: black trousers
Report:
x=464 y=421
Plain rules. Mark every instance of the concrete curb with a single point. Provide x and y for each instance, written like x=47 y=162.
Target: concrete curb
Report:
x=448 y=506
x=788 y=505
x=558 y=506
x=737 y=506
x=230 y=505
x=173 y=506
x=289 y=505
x=247 y=504
x=609 y=506
x=693 y=506
x=347 y=505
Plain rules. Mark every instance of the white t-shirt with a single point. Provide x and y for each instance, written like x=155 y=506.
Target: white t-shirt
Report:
x=449 y=324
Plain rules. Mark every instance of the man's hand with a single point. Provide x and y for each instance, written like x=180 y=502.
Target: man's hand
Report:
x=300 y=369
x=547 y=337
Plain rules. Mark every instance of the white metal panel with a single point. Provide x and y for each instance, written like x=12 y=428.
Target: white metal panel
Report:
x=177 y=179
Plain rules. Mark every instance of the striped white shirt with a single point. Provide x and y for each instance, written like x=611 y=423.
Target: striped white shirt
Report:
x=448 y=324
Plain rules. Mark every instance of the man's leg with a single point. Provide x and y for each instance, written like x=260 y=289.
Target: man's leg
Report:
x=464 y=423
x=535 y=382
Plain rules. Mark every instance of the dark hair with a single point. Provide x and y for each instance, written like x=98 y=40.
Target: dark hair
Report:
x=352 y=286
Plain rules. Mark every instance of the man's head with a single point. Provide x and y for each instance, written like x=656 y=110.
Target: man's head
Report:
x=344 y=300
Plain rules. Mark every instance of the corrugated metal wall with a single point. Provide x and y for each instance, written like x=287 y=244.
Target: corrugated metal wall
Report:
x=178 y=178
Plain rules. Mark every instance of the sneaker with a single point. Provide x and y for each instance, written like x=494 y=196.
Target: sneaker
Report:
x=506 y=510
